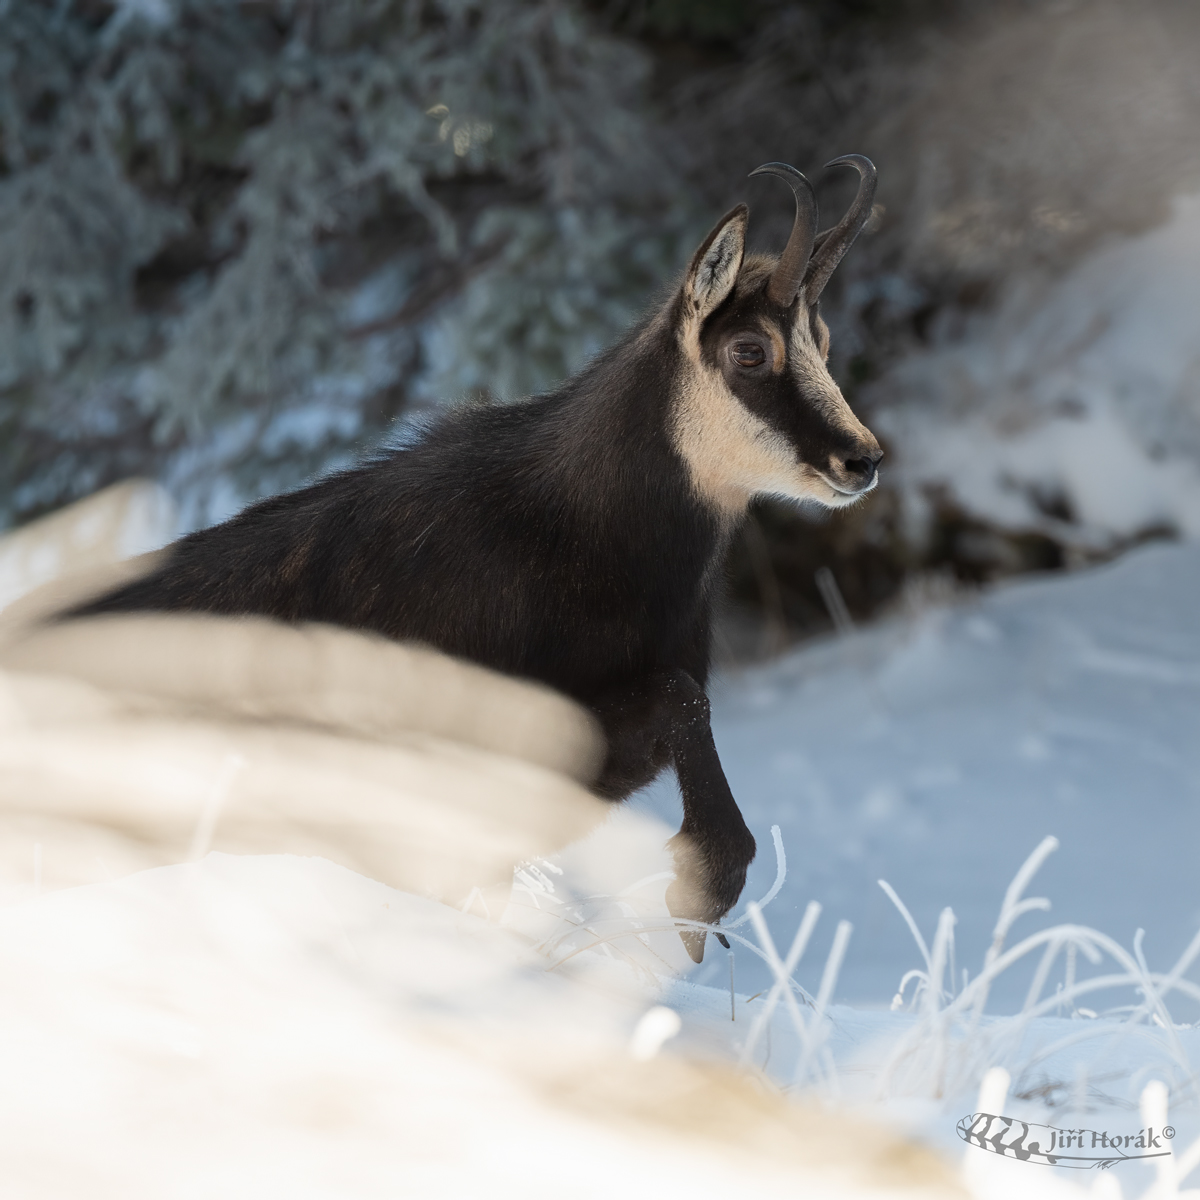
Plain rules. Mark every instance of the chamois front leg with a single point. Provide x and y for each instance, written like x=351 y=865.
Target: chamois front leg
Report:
x=665 y=718
x=713 y=847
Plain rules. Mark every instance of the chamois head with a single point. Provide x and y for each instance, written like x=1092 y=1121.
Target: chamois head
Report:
x=756 y=411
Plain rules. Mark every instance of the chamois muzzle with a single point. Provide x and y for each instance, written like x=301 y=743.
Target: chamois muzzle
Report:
x=785 y=280
x=854 y=469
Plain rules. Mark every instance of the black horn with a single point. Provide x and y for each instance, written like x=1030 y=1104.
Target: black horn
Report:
x=786 y=278
x=836 y=241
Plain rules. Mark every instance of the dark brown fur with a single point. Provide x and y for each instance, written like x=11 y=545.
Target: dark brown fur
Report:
x=561 y=539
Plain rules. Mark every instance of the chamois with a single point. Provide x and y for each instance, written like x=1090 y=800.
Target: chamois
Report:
x=578 y=537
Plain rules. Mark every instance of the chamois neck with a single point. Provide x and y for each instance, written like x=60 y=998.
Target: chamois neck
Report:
x=604 y=447
x=612 y=426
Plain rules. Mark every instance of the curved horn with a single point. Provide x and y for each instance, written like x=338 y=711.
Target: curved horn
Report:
x=786 y=278
x=836 y=241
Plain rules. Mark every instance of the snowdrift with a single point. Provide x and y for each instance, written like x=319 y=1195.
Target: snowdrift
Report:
x=1073 y=410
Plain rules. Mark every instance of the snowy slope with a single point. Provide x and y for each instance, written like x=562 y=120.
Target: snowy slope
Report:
x=272 y=1024
x=281 y=1026
x=936 y=752
x=1076 y=403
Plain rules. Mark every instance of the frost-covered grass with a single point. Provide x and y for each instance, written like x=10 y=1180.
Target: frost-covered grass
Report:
x=937 y=750
x=932 y=1052
x=948 y=1049
x=1094 y=1044
x=955 y=1040
x=940 y=752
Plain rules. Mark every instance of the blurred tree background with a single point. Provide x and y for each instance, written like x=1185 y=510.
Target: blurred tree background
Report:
x=243 y=240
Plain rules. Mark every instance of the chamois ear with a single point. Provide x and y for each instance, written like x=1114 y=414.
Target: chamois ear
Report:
x=716 y=264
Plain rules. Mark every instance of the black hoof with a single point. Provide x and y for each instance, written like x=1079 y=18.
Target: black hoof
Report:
x=693 y=943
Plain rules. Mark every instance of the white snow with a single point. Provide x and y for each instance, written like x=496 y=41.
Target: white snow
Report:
x=124 y=520
x=275 y=1024
x=937 y=751
x=1084 y=388
x=282 y=1024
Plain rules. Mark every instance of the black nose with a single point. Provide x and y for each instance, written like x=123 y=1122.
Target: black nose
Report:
x=862 y=469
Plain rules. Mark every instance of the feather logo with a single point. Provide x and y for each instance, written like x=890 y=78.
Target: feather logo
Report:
x=1045 y=1144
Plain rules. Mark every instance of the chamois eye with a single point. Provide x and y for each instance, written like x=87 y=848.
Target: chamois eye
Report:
x=748 y=354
